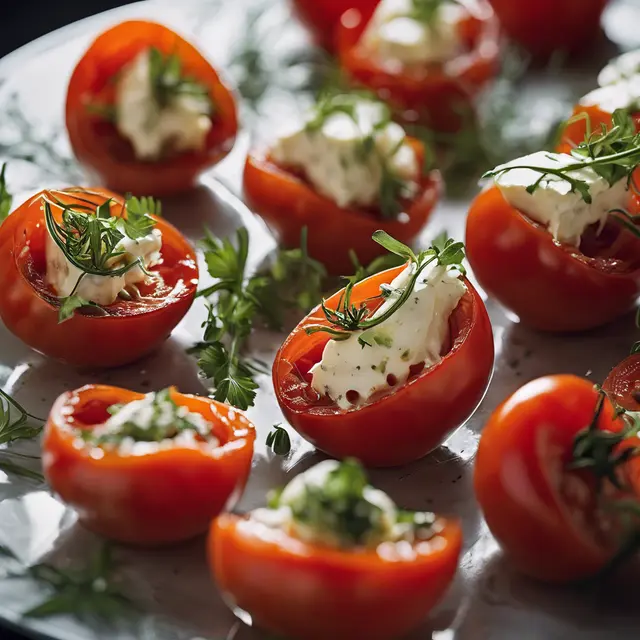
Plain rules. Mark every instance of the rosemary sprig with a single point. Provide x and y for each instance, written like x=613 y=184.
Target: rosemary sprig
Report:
x=236 y=301
x=613 y=154
x=169 y=82
x=278 y=440
x=5 y=197
x=347 y=317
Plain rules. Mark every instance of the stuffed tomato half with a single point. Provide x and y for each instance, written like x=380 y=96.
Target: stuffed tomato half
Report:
x=552 y=476
x=385 y=369
x=343 y=173
x=553 y=239
x=348 y=563
x=91 y=279
x=428 y=60
x=146 y=112
x=146 y=469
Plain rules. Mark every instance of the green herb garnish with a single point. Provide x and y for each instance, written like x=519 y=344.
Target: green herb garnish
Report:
x=426 y=11
x=5 y=197
x=278 y=440
x=236 y=301
x=348 y=317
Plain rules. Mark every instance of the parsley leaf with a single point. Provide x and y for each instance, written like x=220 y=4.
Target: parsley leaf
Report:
x=5 y=197
x=70 y=304
x=279 y=441
x=138 y=222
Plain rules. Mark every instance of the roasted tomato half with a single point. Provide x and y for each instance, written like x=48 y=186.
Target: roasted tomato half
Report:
x=325 y=592
x=128 y=329
x=550 y=286
x=142 y=489
x=287 y=202
x=550 y=519
x=411 y=419
x=623 y=383
x=322 y=17
x=90 y=110
x=437 y=95
x=546 y=26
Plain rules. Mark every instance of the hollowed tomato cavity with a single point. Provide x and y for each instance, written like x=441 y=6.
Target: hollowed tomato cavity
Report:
x=613 y=249
x=296 y=381
x=30 y=255
x=90 y=413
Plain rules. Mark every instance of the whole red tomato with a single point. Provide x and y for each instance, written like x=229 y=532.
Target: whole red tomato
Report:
x=437 y=95
x=96 y=141
x=288 y=203
x=415 y=417
x=329 y=593
x=322 y=16
x=545 y=26
x=132 y=328
x=546 y=515
x=551 y=287
x=163 y=496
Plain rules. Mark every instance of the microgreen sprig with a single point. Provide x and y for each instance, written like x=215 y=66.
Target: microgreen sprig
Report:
x=612 y=153
x=347 y=317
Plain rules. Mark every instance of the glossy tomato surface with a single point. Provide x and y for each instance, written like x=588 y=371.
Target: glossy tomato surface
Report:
x=437 y=95
x=29 y=307
x=551 y=287
x=96 y=141
x=544 y=515
x=288 y=203
x=546 y=26
x=322 y=17
x=623 y=383
x=326 y=593
x=413 y=418
x=161 y=496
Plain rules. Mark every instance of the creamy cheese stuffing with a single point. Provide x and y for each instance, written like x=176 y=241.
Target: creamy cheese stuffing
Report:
x=332 y=160
x=623 y=94
x=63 y=276
x=151 y=128
x=553 y=204
x=620 y=68
x=415 y=333
x=394 y=36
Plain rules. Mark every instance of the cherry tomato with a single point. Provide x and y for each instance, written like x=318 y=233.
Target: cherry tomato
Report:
x=329 y=593
x=96 y=141
x=437 y=95
x=288 y=203
x=546 y=26
x=576 y=130
x=551 y=287
x=322 y=16
x=623 y=383
x=544 y=515
x=132 y=328
x=411 y=420
x=163 y=496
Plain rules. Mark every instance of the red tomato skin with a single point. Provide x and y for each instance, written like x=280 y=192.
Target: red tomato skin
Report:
x=409 y=423
x=322 y=17
x=546 y=26
x=623 y=383
x=428 y=94
x=98 y=145
x=148 y=500
x=288 y=204
x=549 y=286
x=324 y=593
x=523 y=449
x=83 y=340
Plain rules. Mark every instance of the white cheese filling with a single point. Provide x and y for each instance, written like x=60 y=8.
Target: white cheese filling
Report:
x=624 y=94
x=414 y=334
x=620 y=68
x=63 y=276
x=333 y=161
x=148 y=413
x=565 y=213
x=152 y=129
x=394 y=34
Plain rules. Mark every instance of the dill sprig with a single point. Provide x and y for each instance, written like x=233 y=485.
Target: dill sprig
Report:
x=612 y=153
x=89 y=237
x=347 y=317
